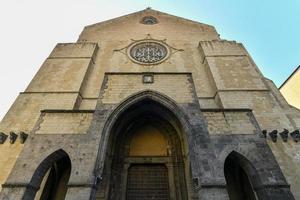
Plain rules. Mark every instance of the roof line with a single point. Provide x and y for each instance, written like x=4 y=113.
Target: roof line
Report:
x=289 y=77
x=112 y=19
x=149 y=8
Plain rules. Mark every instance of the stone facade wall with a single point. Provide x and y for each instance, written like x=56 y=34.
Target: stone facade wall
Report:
x=132 y=28
x=57 y=85
x=74 y=50
x=239 y=84
x=110 y=39
x=55 y=75
x=235 y=73
x=230 y=66
x=227 y=122
x=8 y=155
x=266 y=109
x=60 y=122
x=208 y=79
x=25 y=111
x=65 y=69
x=118 y=87
x=288 y=157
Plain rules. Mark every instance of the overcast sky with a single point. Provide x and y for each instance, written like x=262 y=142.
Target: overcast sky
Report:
x=30 y=29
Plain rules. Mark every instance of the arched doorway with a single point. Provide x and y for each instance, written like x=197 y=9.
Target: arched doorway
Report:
x=239 y=175
x=146 y=156
x=51 y=178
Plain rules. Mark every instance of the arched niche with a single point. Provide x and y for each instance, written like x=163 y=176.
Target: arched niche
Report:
x=241 y=178
x=50 y=179
x=145 y=124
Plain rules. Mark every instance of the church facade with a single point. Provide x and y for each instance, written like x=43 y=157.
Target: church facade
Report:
x=150 y=106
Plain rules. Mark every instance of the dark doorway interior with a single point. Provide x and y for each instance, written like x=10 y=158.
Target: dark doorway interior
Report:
x=54 y=183
x=239 y=185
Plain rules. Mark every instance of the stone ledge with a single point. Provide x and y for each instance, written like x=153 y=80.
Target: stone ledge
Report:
x=66 y=111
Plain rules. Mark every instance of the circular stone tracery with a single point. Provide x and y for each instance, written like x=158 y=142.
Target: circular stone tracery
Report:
x=148 y=52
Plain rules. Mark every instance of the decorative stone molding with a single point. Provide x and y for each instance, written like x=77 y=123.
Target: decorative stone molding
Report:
x=23 y=137
x=295 y=135
x=3 y=137
x=284 y=135
x=12 y=137
x=273 y=135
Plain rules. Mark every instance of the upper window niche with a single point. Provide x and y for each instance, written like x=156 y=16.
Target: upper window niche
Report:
x=149 y=20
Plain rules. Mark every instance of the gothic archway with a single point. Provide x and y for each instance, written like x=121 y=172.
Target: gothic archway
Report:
x=146 y=138
x=50 y=179
x=241 y=178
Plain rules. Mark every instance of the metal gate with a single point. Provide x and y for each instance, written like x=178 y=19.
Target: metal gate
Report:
x=147 y=182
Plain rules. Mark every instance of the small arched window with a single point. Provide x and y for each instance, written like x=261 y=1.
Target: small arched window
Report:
x=149 y=20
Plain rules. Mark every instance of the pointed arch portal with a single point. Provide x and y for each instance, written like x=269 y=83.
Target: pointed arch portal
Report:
x=146 y=155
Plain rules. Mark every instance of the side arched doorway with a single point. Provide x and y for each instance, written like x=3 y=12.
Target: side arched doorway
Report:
x=146 y=156
x=49 y=181
x=241 y=178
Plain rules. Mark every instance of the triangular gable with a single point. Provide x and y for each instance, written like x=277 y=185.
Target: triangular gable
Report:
x=149 y=11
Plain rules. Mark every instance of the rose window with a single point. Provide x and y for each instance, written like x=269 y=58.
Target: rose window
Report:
x=148 y=52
